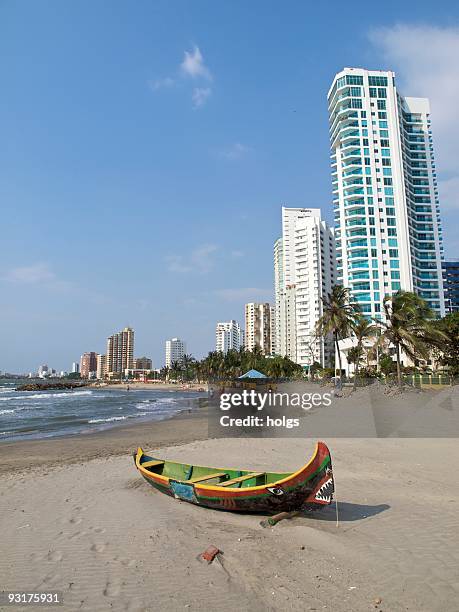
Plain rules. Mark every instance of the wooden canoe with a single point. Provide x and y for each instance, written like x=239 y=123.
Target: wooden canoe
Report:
x=242 y=490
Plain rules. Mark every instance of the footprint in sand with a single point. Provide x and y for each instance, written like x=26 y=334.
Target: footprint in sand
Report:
x=128 y=562
x=54 y=555
x=112 y=589
x=98 y=530
x=50 y=579
x=75 y=520
x=77 y=534
x=98 y=547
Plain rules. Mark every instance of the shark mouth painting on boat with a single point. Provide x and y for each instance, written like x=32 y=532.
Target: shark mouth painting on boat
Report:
x=325 y=493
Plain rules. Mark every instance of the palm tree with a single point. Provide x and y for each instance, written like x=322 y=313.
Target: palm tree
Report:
x=408 y=327
x=175 y=369
x=362 y=329
x=164 y=372
x=339 y=314
x=187 y=363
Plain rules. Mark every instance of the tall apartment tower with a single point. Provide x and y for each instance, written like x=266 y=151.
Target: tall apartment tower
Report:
x=88 y=364
x=387 y=216
x=451 y=285
x=259 y=327
x=175 y=350
x=101 y=370
x=120 y=351
x=228 y=336
x=304 y=272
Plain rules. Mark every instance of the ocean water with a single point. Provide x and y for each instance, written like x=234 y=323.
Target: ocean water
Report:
x=28 y=415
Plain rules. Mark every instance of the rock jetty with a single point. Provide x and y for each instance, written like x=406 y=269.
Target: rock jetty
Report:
x=46 y=386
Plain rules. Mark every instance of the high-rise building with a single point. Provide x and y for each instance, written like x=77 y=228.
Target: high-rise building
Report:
x=88 y=364
x=451 y=285
x=120 y=351
x=387 y=216
x=75 y=367
x=43 y=371
x=259 y=327
x=175 y=350
x=101 y=369
x=304 y=271
x=143 y=363
x=278 y=294
x=228 y=336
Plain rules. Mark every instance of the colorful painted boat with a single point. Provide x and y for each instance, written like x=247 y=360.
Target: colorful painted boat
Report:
x=242 y=490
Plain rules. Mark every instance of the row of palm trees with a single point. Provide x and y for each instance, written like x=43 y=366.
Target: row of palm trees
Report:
x=234 y=363
x=408 y=326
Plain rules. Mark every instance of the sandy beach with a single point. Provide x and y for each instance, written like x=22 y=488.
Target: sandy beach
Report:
x=158 y=386
x=76 y=517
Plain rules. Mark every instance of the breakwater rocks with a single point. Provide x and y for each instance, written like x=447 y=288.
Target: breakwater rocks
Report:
x=46 y=386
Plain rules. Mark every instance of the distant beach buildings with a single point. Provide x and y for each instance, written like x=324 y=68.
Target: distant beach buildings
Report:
x=43 y=371
x=228 y=336
x=143 y=363
x=88 y=364
x=175 y=350
x=120 y=352
x=259 y=327
x=101 y=370
x=75 y=367
x=385 y=197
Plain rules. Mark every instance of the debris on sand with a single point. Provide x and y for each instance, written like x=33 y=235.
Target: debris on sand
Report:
x=210 y=553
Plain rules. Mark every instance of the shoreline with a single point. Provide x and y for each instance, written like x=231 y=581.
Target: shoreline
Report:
x=186 y=426
x=153 y=386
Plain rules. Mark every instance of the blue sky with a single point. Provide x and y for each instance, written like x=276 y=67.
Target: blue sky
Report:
x=147 y=149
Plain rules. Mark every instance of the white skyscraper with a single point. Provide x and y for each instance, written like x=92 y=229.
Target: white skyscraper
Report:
x=228 y=336
x=304 y=270
x=175 y=349
x=387 y=217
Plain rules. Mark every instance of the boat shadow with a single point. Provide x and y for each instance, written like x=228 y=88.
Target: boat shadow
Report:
x=347 y=512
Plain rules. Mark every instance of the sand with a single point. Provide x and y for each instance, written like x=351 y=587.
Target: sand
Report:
x=155 y=386
x=86 y=524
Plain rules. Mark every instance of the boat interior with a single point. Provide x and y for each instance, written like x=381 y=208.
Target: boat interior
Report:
x=221 y=477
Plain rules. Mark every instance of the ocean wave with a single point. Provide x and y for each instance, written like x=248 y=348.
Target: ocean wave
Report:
x=122 y=418
x=108 y=420
x=44 y=396
x=6 y=411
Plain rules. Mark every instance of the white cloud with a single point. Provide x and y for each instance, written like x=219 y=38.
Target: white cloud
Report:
x=199 y=260
x=236 y=254
x=193 y=65
x=164 y=83
x=36 y=273
x=200 y=95
x=235 y=151
x=425 y=60
x=245 y=294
